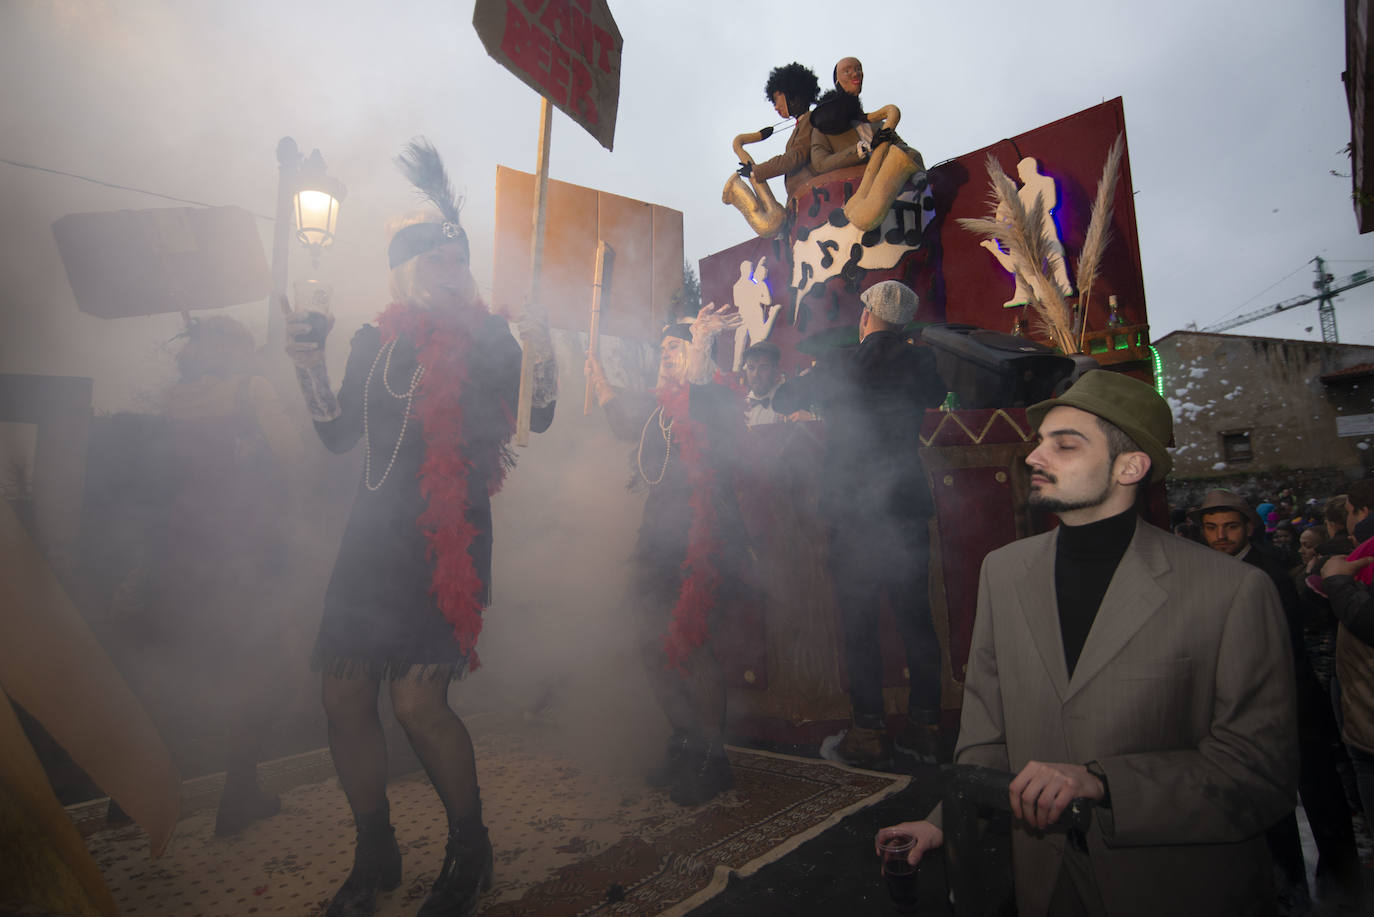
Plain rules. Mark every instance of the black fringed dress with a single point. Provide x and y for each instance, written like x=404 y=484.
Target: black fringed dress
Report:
x=380 y=618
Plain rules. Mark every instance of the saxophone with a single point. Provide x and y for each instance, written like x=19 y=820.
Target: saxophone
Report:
x=889 y=166
x=760 y=209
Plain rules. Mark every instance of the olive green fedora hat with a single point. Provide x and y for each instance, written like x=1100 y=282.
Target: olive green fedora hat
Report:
x=1133 y=406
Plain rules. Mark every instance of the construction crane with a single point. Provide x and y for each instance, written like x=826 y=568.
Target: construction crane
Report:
x=1326 y=295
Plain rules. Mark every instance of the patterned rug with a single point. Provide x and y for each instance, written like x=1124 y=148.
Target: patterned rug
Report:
x=568 y=842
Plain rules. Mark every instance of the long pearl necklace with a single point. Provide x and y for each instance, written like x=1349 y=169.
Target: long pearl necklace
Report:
x=667 y=431
x=407 y=396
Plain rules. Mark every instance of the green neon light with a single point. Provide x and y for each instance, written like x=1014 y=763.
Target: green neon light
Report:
x=1159 y=370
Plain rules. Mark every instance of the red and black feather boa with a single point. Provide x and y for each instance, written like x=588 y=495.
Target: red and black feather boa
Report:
x=689 y=629
x=442 y=343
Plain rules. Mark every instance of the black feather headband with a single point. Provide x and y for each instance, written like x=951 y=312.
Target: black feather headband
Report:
x=421 y=164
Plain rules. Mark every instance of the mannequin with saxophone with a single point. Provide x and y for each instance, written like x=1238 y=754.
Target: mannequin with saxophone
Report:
x=845 y=135
x=792 y=90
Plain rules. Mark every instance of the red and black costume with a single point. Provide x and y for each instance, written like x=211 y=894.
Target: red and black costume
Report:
x=685 y=567
x=404 y=592
x=685 y=557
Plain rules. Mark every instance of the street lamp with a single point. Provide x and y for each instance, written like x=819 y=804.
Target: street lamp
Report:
x=308 y=208
x=317 y=198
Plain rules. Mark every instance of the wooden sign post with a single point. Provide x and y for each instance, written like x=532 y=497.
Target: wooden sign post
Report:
x=568 y=51
x=541 y=206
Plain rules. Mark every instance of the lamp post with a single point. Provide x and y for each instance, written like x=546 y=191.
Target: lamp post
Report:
x=317 y=200
x=307 y=207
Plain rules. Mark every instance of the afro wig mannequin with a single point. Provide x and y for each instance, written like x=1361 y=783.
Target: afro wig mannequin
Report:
x=798 y=85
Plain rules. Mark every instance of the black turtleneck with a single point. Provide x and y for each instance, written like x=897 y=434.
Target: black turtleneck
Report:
x=1084 y=563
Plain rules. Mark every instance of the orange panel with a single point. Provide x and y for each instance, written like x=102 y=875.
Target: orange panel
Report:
x=569 y=254
x=628 y=227
x=569 y=247
x=646 y=271
x=510 y=275
x=667 y=279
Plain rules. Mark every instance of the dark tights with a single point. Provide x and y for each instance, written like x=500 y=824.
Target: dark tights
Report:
x=439 y=738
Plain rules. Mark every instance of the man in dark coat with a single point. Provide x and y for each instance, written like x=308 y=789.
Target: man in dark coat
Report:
x=877 y=506
x=1228 y=525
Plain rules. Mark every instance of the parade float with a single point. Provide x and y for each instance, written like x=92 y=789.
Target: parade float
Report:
x=1023 y=253
x=1009 y=270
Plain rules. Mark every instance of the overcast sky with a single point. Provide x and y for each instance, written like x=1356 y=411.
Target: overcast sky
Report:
x=1235 y=116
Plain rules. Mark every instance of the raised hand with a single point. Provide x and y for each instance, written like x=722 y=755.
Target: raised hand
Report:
x=307 y=331
x=596 y=378
x=712 y=321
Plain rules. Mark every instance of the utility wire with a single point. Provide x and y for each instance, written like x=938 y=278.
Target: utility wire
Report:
x=106 y=184
x=1224 y=316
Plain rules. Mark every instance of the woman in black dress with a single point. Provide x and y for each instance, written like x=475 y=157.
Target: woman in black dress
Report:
x=431 y=392
x=684 y=571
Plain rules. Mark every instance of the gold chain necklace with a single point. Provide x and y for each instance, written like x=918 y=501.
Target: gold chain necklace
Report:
x=407 y=396
x=667 y=430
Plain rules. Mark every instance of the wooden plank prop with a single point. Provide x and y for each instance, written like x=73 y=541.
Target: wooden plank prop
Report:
x=604 y=253
x=52 y=665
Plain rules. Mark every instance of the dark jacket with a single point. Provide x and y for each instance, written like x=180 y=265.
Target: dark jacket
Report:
x=873 y=398
x=1354 y=607
x=1265 y=558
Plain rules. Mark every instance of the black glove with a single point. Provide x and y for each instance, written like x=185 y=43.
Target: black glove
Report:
x=319 y=328
x=745 y=169
x=886 y=135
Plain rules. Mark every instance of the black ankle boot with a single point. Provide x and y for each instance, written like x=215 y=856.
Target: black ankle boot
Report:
x=466 y=873
x=376 y=867
x=705 y=775
x=674 y=759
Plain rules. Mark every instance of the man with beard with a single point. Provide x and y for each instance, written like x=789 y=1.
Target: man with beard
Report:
x=1229 y=526
x=1114 y=662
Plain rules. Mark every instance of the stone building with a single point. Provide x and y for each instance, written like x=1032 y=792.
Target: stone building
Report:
x=1251 y=406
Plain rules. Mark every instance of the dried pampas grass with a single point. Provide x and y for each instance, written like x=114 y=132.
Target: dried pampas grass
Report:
x=1021 y=233
x=1099 y=231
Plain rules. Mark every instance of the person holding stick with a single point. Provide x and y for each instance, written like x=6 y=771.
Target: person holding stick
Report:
x=683 y=569
x=431 y=392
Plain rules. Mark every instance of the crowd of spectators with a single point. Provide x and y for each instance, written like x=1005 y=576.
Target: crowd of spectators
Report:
x=1321 y=547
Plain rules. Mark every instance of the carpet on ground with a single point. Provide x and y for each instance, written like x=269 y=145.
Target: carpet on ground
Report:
x=568 y=841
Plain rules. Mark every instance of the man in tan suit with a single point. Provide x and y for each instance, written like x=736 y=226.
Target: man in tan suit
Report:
x=1115 y=662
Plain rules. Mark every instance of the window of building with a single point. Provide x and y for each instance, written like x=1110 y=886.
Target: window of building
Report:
x=1235 y=446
